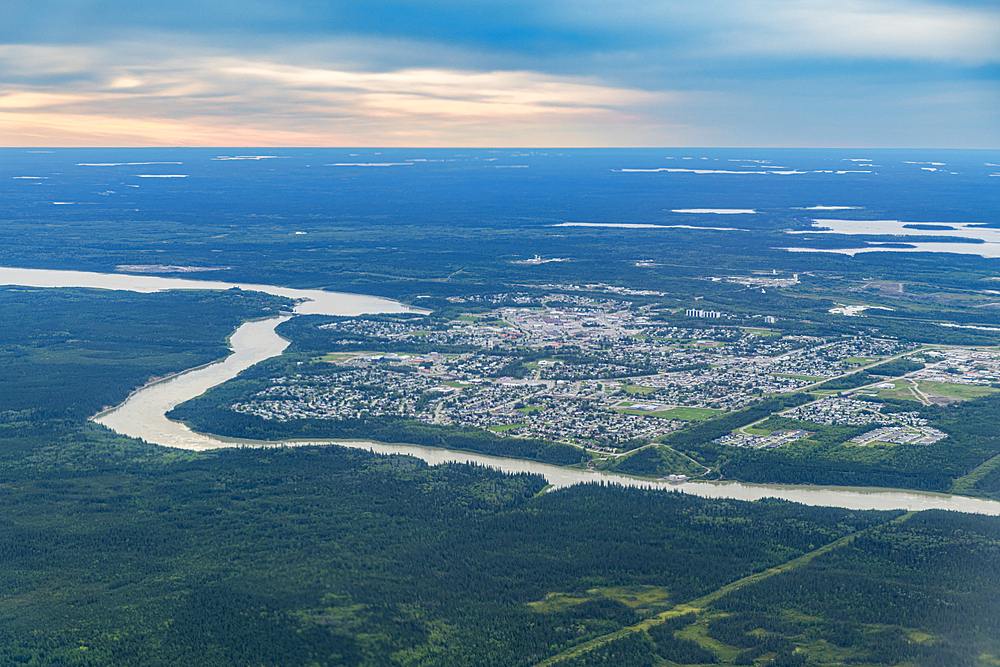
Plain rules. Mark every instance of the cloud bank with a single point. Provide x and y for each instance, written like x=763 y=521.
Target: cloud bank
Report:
x=483 y=72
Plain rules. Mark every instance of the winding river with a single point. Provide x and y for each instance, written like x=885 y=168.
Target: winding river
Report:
x=142 y=414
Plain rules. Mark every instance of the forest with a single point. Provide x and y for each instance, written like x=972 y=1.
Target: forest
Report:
x=69 y=353
x=329 y=556
x=119 y=553
x=821 y=459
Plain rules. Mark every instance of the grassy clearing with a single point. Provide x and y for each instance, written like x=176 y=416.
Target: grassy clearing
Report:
x=691 y=414
x=967 y=391
x=557 y=602
x=698 y=633
x=636 y=389
x=338 y=356
x=503 y=428
x=680 y=414
x=901 y=391
x=637 y=597
x=655 y=462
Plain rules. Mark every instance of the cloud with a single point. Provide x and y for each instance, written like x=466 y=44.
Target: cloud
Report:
x=440 y=93
x=32 y=99
x=487 y=72
x=881 y=29
x=918 y=29
x=189 y=98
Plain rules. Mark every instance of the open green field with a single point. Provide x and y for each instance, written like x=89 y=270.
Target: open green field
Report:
x=337 y=357
x=942 y=389
x=862 y=360
x=636 y=389
x=646 y=599
x=691 y=414
x=966 y=391
x=681 y=414
x=902 y=391
x=503 y=428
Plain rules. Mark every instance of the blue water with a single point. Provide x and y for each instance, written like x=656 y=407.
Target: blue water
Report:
x=501 y=188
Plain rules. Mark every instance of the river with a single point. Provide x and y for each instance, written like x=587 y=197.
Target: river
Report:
x=142 y=414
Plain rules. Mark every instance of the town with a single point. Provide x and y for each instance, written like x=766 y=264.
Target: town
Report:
x=602 y=374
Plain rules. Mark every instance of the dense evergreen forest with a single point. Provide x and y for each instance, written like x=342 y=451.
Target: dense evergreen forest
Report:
x=878 y=599
x=68 y=353
x=821 y=459
x=128 y=555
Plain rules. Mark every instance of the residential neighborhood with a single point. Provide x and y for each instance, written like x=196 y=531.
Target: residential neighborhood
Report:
x=599 y=373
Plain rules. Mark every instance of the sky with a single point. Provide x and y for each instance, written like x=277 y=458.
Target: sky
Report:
x=552 y=73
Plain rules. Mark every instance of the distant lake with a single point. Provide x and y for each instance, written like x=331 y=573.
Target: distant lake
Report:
x=982 y=241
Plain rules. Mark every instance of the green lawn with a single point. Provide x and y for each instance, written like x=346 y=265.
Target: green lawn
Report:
x=691 y=414
x=337 y=356
x=965 y=391
x=503 y=428
x=956 y=390
x=681 y=414
x=636 y=389
x=902 y=390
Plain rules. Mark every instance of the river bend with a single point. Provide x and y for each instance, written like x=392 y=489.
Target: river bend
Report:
x=142 y=415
